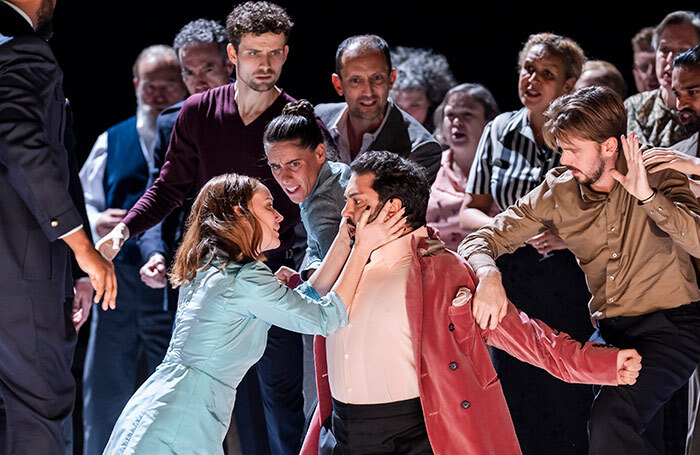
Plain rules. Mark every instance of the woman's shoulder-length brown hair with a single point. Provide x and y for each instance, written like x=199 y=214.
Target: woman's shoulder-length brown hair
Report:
x=220 y=225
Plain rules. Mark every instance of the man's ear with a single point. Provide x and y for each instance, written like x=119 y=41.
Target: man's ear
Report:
x=395 y=205
x=335 y=80
x=392 y=78
x=231 y=51
x=610 y=146
x=136 y=84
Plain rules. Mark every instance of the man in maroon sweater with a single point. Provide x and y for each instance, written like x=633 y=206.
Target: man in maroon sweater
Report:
x=221 y=131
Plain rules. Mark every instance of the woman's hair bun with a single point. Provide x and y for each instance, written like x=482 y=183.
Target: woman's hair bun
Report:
x=301 y=107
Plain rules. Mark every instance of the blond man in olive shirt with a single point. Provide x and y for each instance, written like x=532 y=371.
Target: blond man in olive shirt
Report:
x=633 y=235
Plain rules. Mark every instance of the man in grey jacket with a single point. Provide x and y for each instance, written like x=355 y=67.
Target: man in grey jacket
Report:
x=368 y=119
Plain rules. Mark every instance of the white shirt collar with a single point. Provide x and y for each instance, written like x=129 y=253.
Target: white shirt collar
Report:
x=339 y=132
x=22 y=13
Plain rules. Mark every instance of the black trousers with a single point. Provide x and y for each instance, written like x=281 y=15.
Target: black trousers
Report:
x=390 y=428
x=37 y=340
x=627 y=419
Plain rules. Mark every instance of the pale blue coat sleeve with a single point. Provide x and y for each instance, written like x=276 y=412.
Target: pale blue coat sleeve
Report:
x=300 y=310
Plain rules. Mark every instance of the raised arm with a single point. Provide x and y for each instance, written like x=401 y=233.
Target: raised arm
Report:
x=658 y=159
x=325 y=219
x=343 y=276
x=670 y=204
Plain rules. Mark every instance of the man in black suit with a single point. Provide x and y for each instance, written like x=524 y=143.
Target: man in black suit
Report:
x=36 y=333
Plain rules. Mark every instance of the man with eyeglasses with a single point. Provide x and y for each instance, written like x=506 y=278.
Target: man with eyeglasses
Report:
x=643 y=57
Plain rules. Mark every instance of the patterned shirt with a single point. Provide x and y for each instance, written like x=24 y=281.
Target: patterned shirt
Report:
x=652 y=121
x=508 y=164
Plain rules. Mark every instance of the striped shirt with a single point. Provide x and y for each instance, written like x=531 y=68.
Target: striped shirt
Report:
x=508 y=164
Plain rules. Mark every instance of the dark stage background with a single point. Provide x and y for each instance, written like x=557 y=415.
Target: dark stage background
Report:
x=96 y=42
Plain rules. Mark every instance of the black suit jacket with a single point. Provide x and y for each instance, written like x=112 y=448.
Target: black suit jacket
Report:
x=36 y=207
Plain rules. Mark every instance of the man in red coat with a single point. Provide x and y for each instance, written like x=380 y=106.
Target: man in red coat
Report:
x=411 y=373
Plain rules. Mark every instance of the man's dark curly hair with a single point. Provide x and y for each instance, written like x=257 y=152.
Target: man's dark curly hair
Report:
x=396 y=177
x=257 y=18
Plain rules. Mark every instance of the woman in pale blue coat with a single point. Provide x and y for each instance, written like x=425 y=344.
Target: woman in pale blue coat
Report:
x=228 y=301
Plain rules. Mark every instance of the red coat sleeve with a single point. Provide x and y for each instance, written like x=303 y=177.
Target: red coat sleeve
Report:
x=534 y=342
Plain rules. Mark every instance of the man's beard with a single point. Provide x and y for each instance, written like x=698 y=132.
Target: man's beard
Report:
x=372 y=216
x=147 y=112
x=589 y=180
x=378 y=113
x=44 y=26
x=694 y=126
x=262 y=87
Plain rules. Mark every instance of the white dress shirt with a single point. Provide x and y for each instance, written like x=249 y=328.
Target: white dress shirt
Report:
x=93 y=171
x=370 y=360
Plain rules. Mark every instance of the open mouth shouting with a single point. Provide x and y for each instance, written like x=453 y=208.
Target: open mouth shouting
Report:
x=531 y=93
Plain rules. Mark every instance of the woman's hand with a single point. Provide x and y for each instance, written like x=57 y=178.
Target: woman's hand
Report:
x=344 y=232
x=383 y=229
